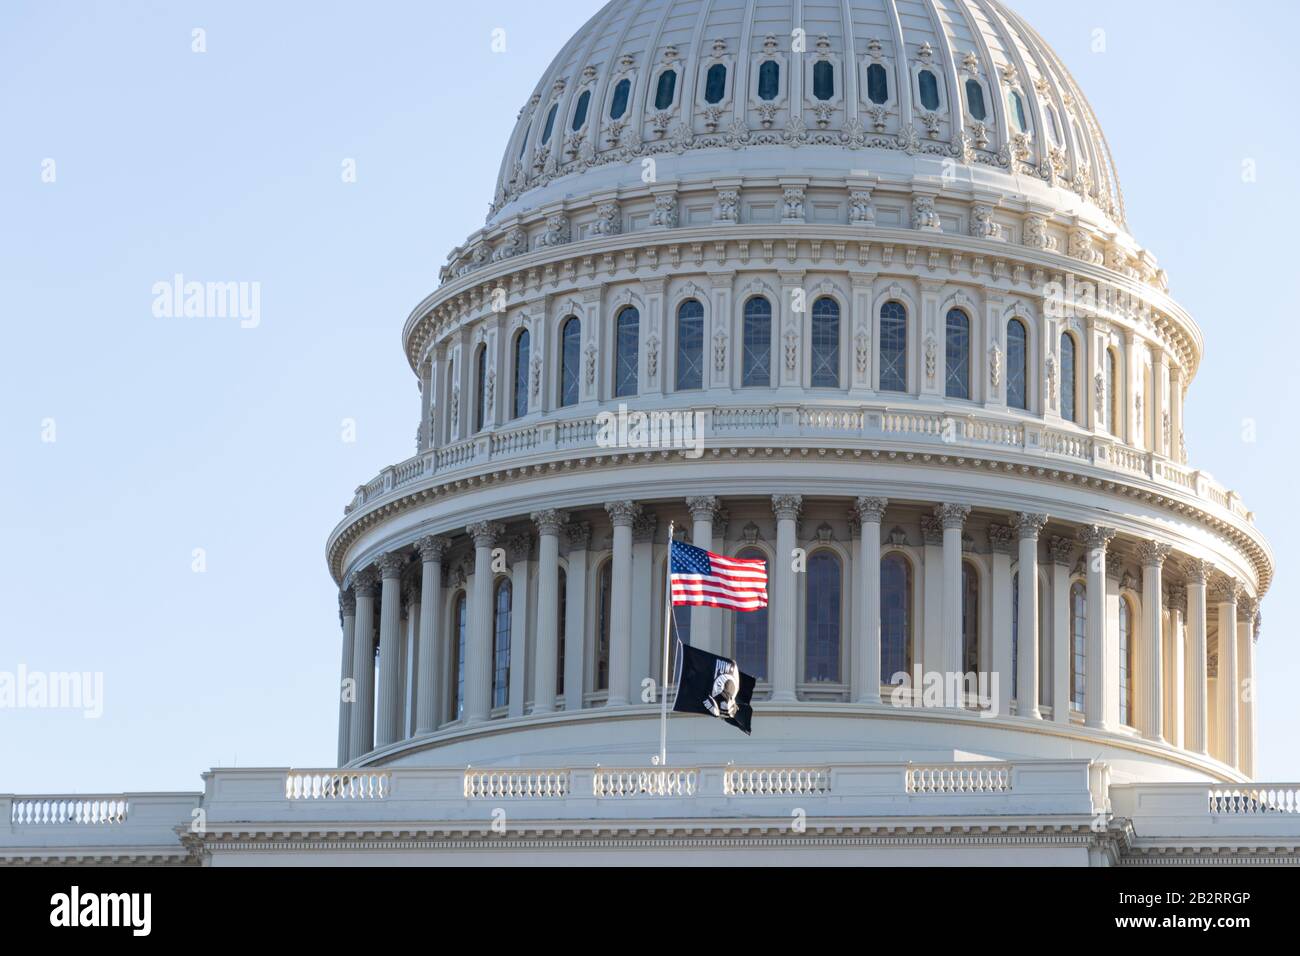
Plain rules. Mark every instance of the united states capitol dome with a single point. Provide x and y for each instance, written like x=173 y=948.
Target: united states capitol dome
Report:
x=963 y=91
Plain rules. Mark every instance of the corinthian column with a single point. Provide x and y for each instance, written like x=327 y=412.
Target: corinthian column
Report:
x=623 y=514
x=1095 y=539
x=348 y=618
x=1246 y=686
x=953 y=519
x=1175 y=700
x=390 y=619
x=427 y=697
x=1198 y=672
x=704 y=620
x=1060 y=550
x=521 y=553
x=546 y=659
x=1152 y=556
x=575 y=614
x=1230 y=592
x=1028 y=527
x=362 y=723
x=786 y=508
x=866 y=639
x=1000 y=543
x=478 y=647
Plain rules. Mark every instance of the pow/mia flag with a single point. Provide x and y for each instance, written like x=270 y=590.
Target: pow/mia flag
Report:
x=714 y=686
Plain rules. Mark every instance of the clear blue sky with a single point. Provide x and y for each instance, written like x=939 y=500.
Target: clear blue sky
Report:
x=176 y=434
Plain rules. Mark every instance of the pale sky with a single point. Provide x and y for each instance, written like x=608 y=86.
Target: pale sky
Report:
x=171 y=435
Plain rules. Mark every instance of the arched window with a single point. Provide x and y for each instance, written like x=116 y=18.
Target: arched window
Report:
x=562 y=610
x=893 y=347
x=1125 y=662
x=975 y=101
x=1017 y=358
x=769 y=80
x=580 y=113
x=1111 y=404
x=666 y=91
x=690 y=345
x=521 y=374
x=1018 y=111
x=823 y=79
x=618 y=103
x=822 y=618
x=928 y=84
x=970 y=619
x=501 y=644
x=550 y=124
x=480 y=405
x=458 y=665
x=715 y=83
x=604 y=590
x=749 y=632
x=895 y=616
x=570 y=358
x=756 y=365
x=1068 y=381
x=877 y=84
x=957 y=380
x=826 y=343
x=1078 y=644
x=627 y=343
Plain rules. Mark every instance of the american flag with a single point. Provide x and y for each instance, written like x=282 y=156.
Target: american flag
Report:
x=704 y=578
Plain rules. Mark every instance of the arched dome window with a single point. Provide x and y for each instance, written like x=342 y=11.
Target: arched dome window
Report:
x=690 y=345
x=823 y=80
x=550 y=124
x=822 y=601
x=480 y=405
x=1068 y=377
x=1018 y=111
x=580 y=112
x=970 y=618
x=604 y=590
x=877 y=84
x=570 y=357
x=618 y=103
x=769 y=80
x=975 y=101
x=666 y=90
x=893 y=347
x=501 y=644
x=1078 y=645
x=957 y=380
x=1053 y=130
x=1125 y=662
x=715 y=84
x=895 y=616
x=1017 y=361
x=756 y=365
x=521 y=374
x=458 y=665
x=627 y=343
x=826 y=343
x=928 y=86
x=749 y=632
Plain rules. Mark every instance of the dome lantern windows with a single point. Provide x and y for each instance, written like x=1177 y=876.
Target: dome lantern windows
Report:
x=580 y=112
x=928 y=86
x=823 y=80
x=550 y=124
x=715 y=84
x=1018 y=114
x=975 y=101
x=666 y=90
x=877 y=84
x=769 y=80
x=618 y=104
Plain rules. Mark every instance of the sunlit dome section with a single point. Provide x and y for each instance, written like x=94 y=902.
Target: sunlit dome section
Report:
x=921 y=87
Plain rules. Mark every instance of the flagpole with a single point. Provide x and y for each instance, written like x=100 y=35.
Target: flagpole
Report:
x=668 y=620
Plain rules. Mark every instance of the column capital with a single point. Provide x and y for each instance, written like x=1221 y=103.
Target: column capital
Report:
x=1060 y=549
x=1001 y=538
x=579 y=535
x=1229 y=589
x=1248 y=607
x=485 y=533
x=347 y=602
x=931 y=530
x=1152 y=554
x=871 y=510
x=787 y=507
x=365 y=583
x=1175 y=597
x=392 y=564
x=952 y=516
x=1028 y=525
x=550 y=521
x=623 y=514
x=1199 y=571
x=703 y=507
x=519 y=547
x=1094 y=536
x=644 y=526
x=433 y=548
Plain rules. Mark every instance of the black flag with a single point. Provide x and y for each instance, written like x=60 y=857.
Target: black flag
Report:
x=714 y=686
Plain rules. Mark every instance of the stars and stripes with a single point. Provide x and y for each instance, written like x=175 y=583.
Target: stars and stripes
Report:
x=703 y=578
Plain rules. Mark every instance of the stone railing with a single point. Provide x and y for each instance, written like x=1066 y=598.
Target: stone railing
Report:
x=337 y=784
x=776 y=781
x=1256 y=799
x=959 y=778
x=645 y=783
x=517 y=784
x=75 y=811
x=888 y=427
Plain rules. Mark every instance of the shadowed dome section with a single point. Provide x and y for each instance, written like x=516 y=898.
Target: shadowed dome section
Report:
x=921 y=86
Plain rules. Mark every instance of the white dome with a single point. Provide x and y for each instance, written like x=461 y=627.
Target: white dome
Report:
x=953 y=89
